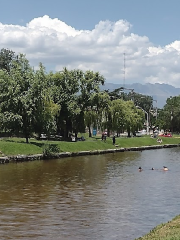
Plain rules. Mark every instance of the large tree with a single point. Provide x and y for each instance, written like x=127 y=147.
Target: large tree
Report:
x=21 y=101
x=118 y=111
x=65 y=88
x=134 y=117
x=169 y=116
x=88 y=100
x=45 y=109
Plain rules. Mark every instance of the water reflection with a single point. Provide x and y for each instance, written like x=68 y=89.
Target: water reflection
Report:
x=91 y=197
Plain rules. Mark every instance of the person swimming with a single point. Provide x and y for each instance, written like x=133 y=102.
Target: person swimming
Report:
x=140 y=169
x=152 y=168
x=165 y=168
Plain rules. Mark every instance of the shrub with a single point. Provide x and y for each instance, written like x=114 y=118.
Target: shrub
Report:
x=50 y=149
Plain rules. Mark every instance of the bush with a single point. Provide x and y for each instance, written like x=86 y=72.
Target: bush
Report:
x=50 y=149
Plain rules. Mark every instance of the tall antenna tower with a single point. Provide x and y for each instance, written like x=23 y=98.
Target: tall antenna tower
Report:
x=124 y=69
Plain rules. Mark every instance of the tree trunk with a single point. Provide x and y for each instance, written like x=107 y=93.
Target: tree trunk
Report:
x=129 y=132
x=27 y=140
x=90 y=134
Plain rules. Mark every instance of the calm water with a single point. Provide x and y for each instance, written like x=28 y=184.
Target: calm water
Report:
x=94 y=197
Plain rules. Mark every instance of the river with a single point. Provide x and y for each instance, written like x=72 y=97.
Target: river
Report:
x=101 y=197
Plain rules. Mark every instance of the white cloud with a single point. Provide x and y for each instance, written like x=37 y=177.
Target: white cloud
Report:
x=57 y=45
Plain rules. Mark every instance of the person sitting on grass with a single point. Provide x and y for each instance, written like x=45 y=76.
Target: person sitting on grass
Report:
x=159 y=140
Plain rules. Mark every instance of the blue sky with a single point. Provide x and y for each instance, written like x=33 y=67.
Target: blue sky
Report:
x=95 y=34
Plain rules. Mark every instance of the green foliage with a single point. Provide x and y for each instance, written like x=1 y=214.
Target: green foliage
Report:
x=45 y=109
x=62 y=102
x=169 y=116
x=25 y=99
x=6 y=58
x=143 y=101
x=50 y=149
x=118 y=112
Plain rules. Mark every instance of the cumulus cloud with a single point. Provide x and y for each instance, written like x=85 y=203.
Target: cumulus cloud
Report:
x=102 y=49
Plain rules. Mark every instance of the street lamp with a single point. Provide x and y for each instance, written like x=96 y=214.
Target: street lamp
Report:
x=147 y=125
x=156 y=107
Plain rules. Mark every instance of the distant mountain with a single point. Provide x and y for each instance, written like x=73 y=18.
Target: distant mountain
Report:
x=159 y=92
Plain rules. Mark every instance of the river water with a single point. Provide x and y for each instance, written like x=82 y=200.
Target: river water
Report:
x=101 y=197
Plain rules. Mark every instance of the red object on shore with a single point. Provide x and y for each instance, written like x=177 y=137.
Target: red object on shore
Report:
x=166 y=135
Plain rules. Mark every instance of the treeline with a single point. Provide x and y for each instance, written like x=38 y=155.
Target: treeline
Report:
x=36 y=101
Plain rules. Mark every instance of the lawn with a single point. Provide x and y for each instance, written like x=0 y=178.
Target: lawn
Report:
x=15 y=146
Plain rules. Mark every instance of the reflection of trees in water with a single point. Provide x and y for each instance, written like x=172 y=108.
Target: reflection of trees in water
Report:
x=39 y=178
x=93 y=196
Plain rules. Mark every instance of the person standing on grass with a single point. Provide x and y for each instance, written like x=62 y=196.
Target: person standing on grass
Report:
x=102 y=138
x=105 y=137
x=114 y=140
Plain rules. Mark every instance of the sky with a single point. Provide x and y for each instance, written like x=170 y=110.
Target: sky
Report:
x=127 y=41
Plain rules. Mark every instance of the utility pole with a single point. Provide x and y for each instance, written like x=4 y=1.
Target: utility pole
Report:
x=171 y=98
x=124 y=69
x=156 y=108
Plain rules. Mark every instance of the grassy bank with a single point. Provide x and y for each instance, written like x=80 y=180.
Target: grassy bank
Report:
x=15 y=146
x=167 y=231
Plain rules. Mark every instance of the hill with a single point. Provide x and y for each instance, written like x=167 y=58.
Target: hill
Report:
x=159 y=92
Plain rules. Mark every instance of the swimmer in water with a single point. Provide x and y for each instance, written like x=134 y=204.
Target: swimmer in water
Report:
x=140 y=169
x=152 y=168
x=165 y=168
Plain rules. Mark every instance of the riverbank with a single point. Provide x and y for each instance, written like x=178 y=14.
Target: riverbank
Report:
x=165 y=231
x=15 y=149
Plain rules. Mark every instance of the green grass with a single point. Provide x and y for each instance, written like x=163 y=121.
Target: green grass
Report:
x=15 y=146
x=167 y=231
x=12 y=146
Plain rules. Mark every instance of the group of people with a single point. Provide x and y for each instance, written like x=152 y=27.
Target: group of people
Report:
x=104 y=135
x=159 y=140
x=164 y=168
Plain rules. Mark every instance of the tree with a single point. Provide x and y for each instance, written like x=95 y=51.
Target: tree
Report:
x=169 y=116
x=6 y=58
x=21 y=103
x=89 y=84
x=45 y=109
x=118 y=112
x=143 y=101
x=65 y=87
x=134 y=117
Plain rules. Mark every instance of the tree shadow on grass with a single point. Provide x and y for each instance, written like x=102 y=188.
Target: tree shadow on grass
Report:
x=8 y=140
x=38 y=144
x=13 y=141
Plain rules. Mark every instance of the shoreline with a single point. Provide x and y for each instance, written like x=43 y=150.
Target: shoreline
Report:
x=168 y=230
x=25 y=158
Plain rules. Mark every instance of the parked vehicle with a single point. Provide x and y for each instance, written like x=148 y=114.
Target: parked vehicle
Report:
x=141 y=133
x=43 y=136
